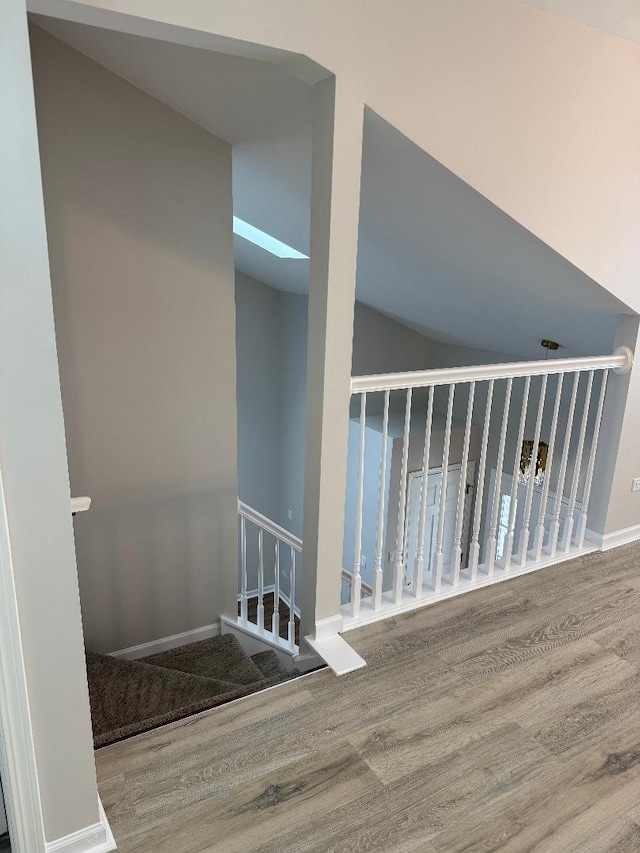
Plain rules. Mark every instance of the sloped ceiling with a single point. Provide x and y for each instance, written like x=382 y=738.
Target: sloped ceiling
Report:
x=433 y=253
x=619 y=17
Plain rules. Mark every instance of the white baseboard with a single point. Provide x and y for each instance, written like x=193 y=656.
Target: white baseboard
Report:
x=328 y=627
x=96 y=838
x=165 y=643
x=615 y=539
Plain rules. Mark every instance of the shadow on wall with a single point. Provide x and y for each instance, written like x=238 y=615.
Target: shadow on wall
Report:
x=145 y=566
x=139 y=209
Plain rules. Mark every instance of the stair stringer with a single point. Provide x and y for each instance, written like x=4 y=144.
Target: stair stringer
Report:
x=252 y=644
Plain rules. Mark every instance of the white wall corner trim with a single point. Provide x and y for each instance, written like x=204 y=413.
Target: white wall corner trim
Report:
x=97 y=838
x=154 y=647
x=17 y=752
x=615 y=539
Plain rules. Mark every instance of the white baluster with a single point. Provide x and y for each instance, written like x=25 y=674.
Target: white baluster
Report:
x=292 y=599
x=437 y=581
x=356 y=586
x=538 y=541
x=462 y=489
x=474 y=549
x=582 y=523
x=567 y=532
x=260 y=611
x=555 y=524
x=378 y=574
x=418 y=566
x=497 y=491
x=508 y=549
x=275 y=618
x=523 y=542
x=244 y=608
x=398 y=580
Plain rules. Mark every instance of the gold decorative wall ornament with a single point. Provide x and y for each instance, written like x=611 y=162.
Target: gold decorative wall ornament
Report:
x=526 y=455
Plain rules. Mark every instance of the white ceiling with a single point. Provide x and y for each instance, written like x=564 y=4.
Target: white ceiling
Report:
x=427 y=239
x=620 y=17
x=433 y=253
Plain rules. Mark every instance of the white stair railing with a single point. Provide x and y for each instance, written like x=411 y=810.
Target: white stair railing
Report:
x=268 y=554
x=507 y=455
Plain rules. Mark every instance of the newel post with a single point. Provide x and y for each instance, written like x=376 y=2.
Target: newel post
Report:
x=335 y=205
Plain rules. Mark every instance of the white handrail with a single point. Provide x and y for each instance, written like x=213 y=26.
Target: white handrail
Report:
x=620 y=361
x=80 y=504
x=269 y=526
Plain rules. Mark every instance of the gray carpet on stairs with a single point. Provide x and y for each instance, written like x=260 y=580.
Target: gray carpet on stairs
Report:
x=130 y=697
x=220 y=657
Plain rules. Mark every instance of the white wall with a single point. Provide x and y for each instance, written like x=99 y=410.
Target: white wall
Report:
x=552 y=106
x=52 y=734
x=138 y=206
x=614 y=506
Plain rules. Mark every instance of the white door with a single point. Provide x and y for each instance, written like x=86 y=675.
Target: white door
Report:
x=434 y=490
x=521 y=502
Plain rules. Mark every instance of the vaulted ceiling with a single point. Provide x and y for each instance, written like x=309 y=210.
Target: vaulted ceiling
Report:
x=433 y=253
x=619 y=17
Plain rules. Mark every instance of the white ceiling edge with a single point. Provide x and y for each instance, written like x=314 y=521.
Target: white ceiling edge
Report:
x=620 y=18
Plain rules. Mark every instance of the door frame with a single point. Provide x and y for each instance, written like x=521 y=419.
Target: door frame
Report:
x=17 y=749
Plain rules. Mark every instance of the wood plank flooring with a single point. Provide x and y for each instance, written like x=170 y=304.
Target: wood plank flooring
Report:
x=507 y=719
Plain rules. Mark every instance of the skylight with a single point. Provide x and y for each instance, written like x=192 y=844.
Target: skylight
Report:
x=265 y=241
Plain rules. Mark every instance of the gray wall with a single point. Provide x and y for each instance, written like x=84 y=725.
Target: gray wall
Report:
x=293 y=413
x=138 y=205
x=382 y=345
x=272 y=373
x=258 y=384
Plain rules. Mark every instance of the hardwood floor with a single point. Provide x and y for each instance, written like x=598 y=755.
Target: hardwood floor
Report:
x=506 y=719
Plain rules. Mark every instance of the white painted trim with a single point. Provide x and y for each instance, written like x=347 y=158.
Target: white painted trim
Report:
x=18 y=765
x=328 y=627
x=337 y=653
x=620 y=361
x=96 y=838
x=164 y=644
x=269 y=526
x=615 y=539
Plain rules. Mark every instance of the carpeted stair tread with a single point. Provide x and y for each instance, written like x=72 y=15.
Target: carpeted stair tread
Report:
x=129 y=697
x=219 y=657
x=270 y=666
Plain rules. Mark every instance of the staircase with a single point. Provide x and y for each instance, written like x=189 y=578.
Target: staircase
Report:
x=130 y=697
